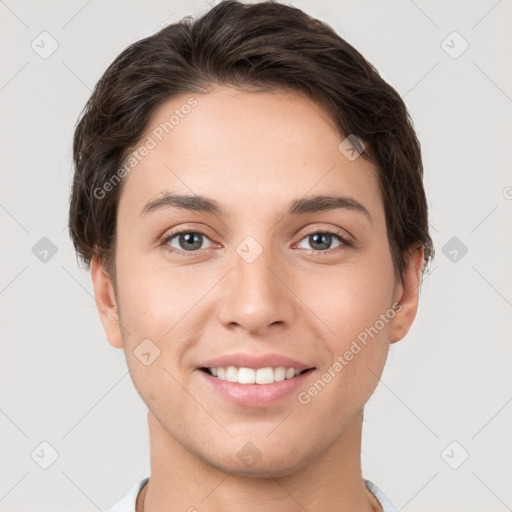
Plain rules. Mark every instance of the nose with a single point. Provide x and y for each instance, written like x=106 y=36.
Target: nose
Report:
x=255 y=297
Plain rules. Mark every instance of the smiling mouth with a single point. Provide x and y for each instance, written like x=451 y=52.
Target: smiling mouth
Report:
x=243 y=375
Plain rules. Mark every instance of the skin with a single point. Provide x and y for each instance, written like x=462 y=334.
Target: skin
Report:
x=253 y=152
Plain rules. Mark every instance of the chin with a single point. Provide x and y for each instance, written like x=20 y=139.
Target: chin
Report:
x=249 y=462
x=262 y=469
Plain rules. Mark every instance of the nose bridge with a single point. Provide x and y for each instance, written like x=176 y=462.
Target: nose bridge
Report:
x=254 y=297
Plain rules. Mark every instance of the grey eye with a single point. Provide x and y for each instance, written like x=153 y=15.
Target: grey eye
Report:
x=187 y=241
x=321 y=241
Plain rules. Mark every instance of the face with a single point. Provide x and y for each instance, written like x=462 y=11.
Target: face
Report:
x=248 y=270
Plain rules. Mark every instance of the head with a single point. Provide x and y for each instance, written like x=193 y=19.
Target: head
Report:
x=246 y=183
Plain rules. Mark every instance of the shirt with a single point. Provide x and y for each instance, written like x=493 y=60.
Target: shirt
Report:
x=127 y=504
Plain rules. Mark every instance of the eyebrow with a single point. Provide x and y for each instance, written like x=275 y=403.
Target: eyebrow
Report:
x=299 y=206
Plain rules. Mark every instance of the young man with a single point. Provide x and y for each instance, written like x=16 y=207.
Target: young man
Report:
x=248 y=194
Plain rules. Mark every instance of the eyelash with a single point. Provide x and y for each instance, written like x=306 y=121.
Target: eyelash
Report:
x=345 y=242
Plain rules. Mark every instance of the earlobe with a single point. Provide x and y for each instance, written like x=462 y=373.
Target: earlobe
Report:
x=106 y=302
x=407 y=295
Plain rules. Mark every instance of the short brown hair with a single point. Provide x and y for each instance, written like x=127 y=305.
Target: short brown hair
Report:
x=264 y=46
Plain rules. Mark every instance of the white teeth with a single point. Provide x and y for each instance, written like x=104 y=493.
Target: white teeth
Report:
x=280 y=373
x=243 y=375
x=265 y=376
x=246 y=376
x=231 y=374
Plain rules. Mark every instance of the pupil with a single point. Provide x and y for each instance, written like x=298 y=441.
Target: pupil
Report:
x=323 y=240
x=187 y=241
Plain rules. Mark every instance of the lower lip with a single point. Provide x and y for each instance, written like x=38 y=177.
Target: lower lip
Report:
x=256 y=395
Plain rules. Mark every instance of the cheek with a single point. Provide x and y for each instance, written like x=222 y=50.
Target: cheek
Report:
x=349 y=299
x=154 y=306
x=357 y=350
x=355 y=302
x=163 y=310
x=360 y=313
x=151 y=299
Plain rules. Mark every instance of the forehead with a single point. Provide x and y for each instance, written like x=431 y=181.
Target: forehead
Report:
x=255 y=148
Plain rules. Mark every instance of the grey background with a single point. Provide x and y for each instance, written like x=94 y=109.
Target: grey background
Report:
x=448 y=380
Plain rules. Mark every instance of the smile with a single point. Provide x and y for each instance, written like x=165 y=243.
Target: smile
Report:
x=267 y=375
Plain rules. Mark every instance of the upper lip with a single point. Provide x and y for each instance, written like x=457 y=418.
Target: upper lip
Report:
x=255 y=361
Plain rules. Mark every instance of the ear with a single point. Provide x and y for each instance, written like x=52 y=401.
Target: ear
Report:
x=406 y=294
x=106 y=302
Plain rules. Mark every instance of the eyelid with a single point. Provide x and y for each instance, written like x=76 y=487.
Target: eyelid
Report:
x=167 y=239
x=344 y=243
x=169 y=234
x=183 y=228
x=343 y=234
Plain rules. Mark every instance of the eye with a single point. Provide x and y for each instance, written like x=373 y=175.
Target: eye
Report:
x=322 y=241
x=185 y=241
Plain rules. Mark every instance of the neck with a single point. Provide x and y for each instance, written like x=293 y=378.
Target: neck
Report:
x=332 y=481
